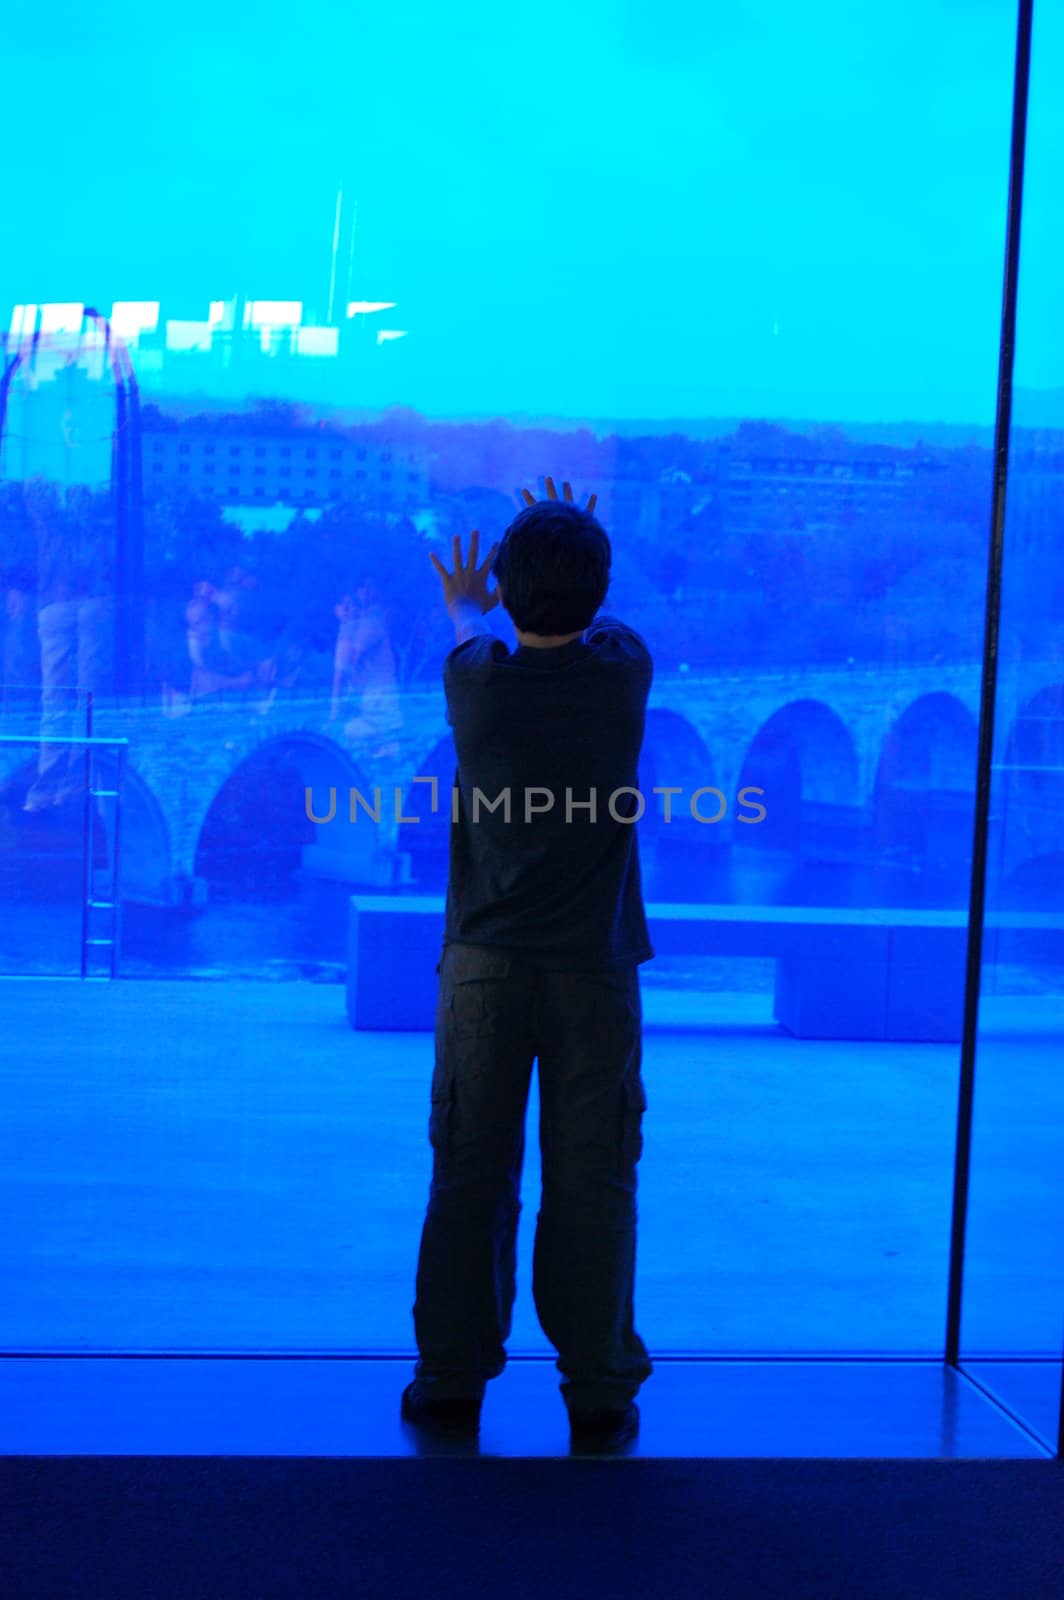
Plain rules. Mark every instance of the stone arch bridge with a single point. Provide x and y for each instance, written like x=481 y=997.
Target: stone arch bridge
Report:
x=834 y=750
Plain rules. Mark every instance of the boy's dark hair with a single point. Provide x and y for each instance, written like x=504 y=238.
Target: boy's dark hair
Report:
x=554 y=567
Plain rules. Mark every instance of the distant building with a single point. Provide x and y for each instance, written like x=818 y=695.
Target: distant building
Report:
x=774 y=493
x=308 y=467
x=650 y=505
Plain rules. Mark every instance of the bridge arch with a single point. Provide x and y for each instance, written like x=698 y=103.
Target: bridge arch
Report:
x=1036 y=735
x=804 y=758
x=674 y=753
x=256 y=832
x=1029 y=788
x=682 y=858
x=923 y=800
x=146 y=850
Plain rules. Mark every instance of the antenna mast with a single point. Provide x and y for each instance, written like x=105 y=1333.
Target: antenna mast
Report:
x=351 y=258
x=335 y=247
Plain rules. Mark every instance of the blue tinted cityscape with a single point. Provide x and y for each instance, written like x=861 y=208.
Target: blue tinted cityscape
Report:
x=300 y=307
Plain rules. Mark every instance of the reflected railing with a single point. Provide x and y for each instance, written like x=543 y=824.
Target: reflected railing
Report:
x=90 y=785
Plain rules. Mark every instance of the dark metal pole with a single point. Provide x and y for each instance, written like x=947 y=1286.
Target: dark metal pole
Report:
x=116 y=861
x=1060 y=1419
x=87 y=842
x=128 y=501
x=10 y=368
x=962 y=1157
x=120 y=501
x=86 y=853
x=134 y=478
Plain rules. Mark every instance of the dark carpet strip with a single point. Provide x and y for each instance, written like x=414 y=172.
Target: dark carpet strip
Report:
x=182 y=1528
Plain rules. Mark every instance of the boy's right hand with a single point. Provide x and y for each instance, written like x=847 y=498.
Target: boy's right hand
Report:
x=552 y=494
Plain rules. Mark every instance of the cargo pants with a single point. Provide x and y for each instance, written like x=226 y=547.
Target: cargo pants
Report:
x=495 y=1014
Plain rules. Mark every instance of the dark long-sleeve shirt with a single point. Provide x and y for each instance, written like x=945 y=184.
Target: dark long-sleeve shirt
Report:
x=555 y=885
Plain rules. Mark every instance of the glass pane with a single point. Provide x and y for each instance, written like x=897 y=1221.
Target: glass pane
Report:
x=62 y=533
x=1013 y=1323
x=737 y=274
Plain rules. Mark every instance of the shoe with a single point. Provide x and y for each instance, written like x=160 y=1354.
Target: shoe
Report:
x=452 y=1418
x=604 y=1430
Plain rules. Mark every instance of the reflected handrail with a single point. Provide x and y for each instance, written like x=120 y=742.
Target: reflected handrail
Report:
x=92 y=745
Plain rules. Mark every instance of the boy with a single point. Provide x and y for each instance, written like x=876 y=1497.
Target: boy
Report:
x=544 y=933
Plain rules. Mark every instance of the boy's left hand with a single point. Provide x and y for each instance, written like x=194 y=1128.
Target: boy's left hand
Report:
x=467 y=581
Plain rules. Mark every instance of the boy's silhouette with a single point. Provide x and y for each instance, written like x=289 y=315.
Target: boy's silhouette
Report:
x=544 y=934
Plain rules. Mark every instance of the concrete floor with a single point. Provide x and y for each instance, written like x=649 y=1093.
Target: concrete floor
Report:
x=213 y=1167
x=147 y=1406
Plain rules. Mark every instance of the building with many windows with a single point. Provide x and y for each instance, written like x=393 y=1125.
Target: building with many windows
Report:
x=761 y=492
x=299 y=468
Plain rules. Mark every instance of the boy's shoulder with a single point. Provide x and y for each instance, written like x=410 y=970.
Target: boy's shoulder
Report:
x=479 y=651
x=608 y=637
x=612 y=627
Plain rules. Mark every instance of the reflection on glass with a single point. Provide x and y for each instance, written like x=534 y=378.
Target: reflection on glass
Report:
x=1012 y=1328
x=762 y=329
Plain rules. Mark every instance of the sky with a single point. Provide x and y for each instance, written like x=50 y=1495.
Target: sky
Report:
x=647 y=209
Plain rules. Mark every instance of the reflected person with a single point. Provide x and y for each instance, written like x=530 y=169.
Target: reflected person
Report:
x=213 y=669
x=544 y=933
x=75 y=629
x=364 y=664
x=21 y=661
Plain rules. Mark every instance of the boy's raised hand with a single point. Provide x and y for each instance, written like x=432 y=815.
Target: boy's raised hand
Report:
x=467 y=581
x=552 y=494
